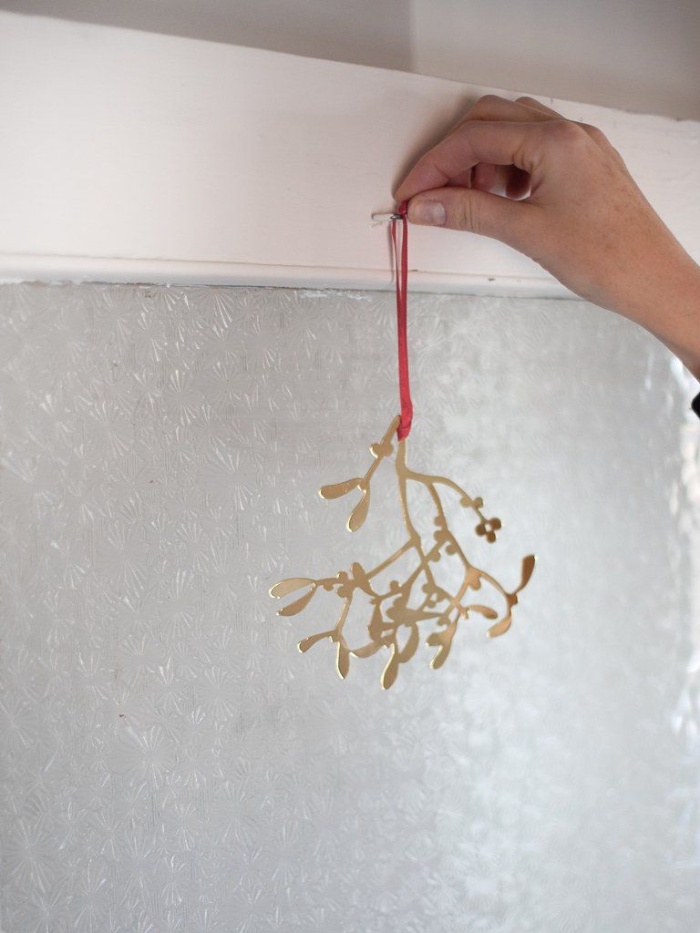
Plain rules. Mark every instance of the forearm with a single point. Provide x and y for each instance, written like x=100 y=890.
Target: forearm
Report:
x=667 y=303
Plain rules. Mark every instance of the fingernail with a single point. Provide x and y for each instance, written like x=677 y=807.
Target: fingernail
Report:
x=427 y=212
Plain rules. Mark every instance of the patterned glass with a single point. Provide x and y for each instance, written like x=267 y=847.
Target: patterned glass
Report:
x=169 y=761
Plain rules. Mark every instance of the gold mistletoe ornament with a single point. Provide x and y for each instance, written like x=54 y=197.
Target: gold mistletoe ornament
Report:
x=394 y=624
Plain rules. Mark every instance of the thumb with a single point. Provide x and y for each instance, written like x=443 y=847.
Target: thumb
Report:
x=475 y=211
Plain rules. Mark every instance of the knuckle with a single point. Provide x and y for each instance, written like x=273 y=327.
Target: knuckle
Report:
x=490 y=99
x=596 y=134
x=467 y=215
x=485 y=103
x=568 y=133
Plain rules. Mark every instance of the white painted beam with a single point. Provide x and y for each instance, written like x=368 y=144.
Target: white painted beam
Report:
x=129 y=156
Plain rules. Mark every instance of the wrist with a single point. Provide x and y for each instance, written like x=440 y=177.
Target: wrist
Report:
x=668 y=306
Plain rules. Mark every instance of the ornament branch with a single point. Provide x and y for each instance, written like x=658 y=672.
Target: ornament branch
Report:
x=394 y=624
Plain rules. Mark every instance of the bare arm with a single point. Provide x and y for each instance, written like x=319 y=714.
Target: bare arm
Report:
x=559 y=192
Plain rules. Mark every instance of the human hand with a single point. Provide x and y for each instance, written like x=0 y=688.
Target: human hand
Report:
x=559 y=192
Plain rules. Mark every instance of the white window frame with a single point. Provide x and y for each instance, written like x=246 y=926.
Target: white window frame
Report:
x=127 y=156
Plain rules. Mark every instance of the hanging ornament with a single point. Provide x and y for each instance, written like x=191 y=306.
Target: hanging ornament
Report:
x=394 y=624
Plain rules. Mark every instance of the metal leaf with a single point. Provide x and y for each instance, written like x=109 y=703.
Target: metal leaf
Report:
x=528 y=567
x=375 y=627
x=343 y=660
x=284 y=587
x=391 y=671
x=500 y=627
x=442 y=642
x=486 y=611
x=298 y=605
x=359 y=513
x=336 y=490
x=311 y=640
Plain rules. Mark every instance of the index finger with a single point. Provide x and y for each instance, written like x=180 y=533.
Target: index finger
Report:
x=494 y=142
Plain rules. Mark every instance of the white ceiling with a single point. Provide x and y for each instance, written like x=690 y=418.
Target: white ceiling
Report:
x=639 y=55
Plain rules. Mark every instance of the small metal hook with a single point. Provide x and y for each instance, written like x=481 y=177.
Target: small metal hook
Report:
x=384 y=218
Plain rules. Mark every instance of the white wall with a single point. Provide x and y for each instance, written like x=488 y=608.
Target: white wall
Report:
x=639 y=55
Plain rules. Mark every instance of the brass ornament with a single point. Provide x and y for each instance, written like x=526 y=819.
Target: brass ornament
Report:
x=394 y=624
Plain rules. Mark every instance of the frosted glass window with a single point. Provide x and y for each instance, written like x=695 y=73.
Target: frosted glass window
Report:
x=171 y=762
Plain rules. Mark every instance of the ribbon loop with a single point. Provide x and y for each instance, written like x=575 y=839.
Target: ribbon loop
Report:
x=400 y=256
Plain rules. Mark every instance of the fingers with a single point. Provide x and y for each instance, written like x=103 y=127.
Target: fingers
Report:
x=512 y=222
x=498 y=179
x=507 y=180
x=478 y=160
x=570 y=202
x=495 y=143
x=488 y=177
x=517 y=184
x=492 y=107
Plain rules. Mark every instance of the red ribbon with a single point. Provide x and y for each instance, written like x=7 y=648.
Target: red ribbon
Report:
x=401 y=273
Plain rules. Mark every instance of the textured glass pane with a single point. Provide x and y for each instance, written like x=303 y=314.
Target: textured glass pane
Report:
x=170 y=761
